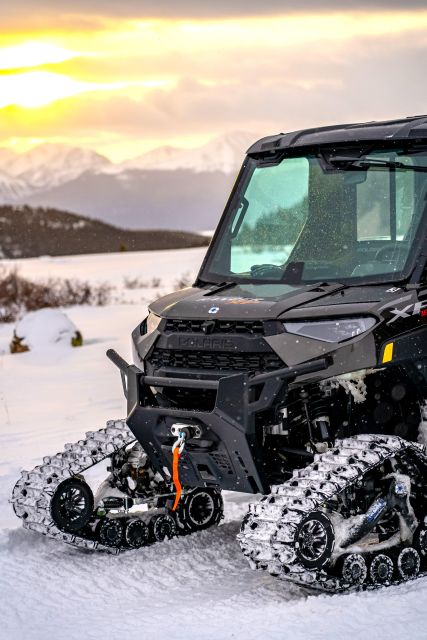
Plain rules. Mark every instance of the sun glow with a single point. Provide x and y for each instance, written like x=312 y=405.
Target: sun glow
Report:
x=33 y=54
x=38 y=88
x=35 y=89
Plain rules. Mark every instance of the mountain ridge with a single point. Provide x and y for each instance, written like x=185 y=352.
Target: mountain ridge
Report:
x=169 y=187
x=222 y=153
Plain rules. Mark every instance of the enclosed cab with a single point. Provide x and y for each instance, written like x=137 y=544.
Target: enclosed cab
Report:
x=308 y=319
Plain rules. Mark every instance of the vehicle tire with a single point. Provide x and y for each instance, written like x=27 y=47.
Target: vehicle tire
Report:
x=110 y=532
x=71 y=507
x=200 y=509
x=381 y=569
x=137 y=534
x=354 y=570
x=315 y=540
x=408 y=563
x=163 y=527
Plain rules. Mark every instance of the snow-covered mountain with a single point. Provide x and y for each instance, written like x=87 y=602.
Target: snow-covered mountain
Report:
x=224 y=153
x=49 y=165
x=156 y=188
x=13 y=189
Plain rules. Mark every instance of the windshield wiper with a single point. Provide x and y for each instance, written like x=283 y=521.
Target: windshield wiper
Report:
x=371 y=161
x=220 y=286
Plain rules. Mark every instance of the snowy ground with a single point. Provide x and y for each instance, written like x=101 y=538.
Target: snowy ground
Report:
x=198 y=587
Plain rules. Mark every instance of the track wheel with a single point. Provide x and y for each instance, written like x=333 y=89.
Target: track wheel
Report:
x=381 y=569
x=315 y=540
x=201 y=509
x=408 y=563
x=71 y=507
x=422 y=542
x=163 y=527
x=137 y=533
x=111 y=532
x=354 y=569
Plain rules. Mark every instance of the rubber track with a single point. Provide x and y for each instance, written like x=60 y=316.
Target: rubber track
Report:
x=268 y=532
x=34 y=490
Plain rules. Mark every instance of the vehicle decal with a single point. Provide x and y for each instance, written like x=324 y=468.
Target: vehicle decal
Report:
x=233 y=300
x=393 y=303
x=414 y=309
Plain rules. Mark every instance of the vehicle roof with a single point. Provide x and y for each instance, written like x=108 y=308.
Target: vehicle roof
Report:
x=412 y=127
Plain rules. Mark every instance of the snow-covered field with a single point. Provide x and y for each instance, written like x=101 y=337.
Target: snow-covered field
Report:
x=199 y=587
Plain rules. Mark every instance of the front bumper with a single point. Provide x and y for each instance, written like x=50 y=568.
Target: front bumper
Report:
x=228 y=452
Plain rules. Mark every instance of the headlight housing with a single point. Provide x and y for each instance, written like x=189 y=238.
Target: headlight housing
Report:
x=150 y=323
x=331 y=330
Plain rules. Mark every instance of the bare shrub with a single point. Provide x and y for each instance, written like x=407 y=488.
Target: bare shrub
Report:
x=18 y=294
x=134 y=283
x=185 y=280
x=138 y=283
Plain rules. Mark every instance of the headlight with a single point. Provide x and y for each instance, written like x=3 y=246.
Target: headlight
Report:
x=150 y=324
x=331 y=330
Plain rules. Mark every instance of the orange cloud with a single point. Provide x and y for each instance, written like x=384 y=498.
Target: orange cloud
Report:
x=162 y=79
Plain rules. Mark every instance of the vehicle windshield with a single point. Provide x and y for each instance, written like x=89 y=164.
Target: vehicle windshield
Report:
x=325 y=216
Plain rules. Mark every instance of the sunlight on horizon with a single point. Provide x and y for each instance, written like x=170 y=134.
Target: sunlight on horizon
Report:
x=38 y=88
x=115 y=147
x=35 y=89
x=33 y=54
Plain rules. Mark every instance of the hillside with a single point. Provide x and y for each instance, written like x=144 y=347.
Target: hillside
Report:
x=28 y=232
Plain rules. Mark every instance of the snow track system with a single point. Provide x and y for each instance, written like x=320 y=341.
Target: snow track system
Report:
x=126 y=512
x=352 y=519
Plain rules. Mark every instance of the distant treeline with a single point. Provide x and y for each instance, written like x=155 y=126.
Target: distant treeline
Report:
x=28 y=232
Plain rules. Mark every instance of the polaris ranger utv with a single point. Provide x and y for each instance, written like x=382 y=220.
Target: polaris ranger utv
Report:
x=295 y=367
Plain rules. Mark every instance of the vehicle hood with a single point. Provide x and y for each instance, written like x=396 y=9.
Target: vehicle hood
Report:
x=268 y=301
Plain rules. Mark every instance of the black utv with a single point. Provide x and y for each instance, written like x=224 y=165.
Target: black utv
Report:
x=295 y=367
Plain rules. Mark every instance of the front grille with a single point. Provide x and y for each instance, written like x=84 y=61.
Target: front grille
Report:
x=255 y=327
x=215 y=360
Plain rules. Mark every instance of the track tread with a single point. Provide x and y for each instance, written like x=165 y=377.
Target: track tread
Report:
x=30 y=497
x=267 y=537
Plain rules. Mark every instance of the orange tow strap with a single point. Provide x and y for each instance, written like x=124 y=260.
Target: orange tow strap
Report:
x=175 y=477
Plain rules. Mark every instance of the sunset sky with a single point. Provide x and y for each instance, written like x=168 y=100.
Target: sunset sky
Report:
x=124 y=77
